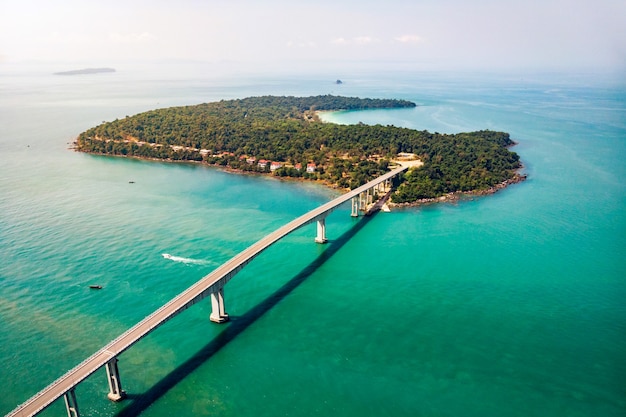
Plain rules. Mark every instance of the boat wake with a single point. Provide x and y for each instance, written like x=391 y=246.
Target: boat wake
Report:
x=185 y=260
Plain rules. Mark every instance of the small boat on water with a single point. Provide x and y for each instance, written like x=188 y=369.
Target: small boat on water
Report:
x=95 y=287
x=167 y=256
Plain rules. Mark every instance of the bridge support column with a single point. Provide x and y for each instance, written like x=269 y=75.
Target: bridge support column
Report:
x=116 y=393
x=321 y=231
x=70 y=403
x=218 y=312
x=355 y=207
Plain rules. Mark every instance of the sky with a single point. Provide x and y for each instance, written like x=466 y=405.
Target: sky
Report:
x=430 y=34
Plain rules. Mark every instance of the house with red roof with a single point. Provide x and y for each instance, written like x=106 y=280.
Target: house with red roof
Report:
x=275 y=165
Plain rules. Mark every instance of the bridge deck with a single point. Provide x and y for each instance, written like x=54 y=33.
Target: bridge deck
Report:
x=193 y=294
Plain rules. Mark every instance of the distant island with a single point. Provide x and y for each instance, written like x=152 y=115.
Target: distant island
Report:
x=284 y=136
x=85 y=71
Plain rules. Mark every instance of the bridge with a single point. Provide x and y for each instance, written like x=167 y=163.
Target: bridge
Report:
x=211 y=285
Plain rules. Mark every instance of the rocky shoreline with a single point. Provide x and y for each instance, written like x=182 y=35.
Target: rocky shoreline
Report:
x=459 y=195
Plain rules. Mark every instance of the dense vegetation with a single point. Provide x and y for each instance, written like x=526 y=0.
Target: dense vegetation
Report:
x=286 y=129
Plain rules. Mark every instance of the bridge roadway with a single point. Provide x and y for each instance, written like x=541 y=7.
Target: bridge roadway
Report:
x=209 y=284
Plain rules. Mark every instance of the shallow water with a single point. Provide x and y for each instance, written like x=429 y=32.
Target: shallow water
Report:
x=510 y=304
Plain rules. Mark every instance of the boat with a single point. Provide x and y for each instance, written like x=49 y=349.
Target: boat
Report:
x=95 y=287
x=167 y=256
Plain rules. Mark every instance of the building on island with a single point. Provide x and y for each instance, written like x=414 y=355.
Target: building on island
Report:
x=275 y=165
x=310 y=167
x=263 y=163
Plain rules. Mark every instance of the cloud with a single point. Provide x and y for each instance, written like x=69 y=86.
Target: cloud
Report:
x=132 y=37
x=357 y=40
x=364 y=40
x=339 y=41
x=409 y=39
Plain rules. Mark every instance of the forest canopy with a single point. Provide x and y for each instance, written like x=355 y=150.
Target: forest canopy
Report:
x=284 y=135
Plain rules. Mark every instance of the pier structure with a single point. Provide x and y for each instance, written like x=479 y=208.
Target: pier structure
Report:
x=211 y=285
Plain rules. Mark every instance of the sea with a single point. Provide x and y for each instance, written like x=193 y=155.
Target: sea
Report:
x=512 y=304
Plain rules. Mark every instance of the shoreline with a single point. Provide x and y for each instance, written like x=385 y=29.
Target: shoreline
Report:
x=223 y=168
x=462 y=195
x=446 y=198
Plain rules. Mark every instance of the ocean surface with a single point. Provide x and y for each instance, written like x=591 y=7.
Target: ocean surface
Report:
x=507 y=305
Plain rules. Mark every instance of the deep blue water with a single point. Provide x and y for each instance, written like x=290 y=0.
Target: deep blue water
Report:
x=511 y=304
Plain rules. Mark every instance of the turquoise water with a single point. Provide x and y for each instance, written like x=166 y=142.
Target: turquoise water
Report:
x=511 y=304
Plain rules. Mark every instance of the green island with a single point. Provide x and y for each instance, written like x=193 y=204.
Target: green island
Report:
x=284 y=136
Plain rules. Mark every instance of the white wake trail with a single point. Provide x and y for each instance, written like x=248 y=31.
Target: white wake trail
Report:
x=185 y=260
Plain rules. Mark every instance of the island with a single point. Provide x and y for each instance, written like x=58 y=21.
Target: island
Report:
x=85 y=71
x=285 y=137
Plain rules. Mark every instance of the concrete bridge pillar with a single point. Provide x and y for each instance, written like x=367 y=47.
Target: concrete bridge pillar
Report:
x=218 y=312
x=70 y=403
x=321 y=231
x=355 y=206
x=116 y=393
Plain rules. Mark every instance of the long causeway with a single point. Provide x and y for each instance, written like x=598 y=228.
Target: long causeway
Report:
x=210 y=285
